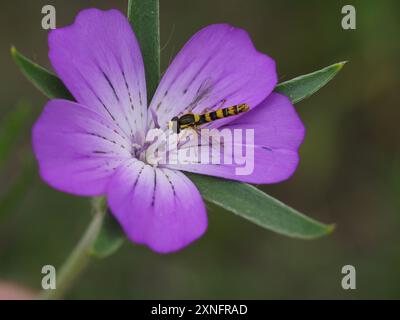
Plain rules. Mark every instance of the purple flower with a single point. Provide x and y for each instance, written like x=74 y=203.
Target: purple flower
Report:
x=95 y=146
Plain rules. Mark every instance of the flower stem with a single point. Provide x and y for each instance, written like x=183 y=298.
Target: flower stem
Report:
x=144 y=16
x=79 y=258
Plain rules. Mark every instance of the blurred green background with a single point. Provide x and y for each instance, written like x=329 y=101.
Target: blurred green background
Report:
x=349 y=172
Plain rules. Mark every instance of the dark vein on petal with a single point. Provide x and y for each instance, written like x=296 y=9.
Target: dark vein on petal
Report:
x=100 y=100
x=170 y=183
x=129 y=91
x=116 y=95
x=105 y=139
x=113 y=130
x=267 y=148
x=153 y=199
x=140 y=97
x=103 y=104
x=130 y=100
x=108 y=111
x=110 y=84
x=139 y=175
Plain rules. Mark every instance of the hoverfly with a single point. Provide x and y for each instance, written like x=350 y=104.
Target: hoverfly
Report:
x=193 y=121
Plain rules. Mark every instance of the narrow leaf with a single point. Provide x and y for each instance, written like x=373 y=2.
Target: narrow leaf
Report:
x=304 y=86
x=258 y=207
x=44 y=80
x=109 y=239
x=144 y=17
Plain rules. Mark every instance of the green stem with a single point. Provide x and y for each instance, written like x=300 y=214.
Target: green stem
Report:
x=144 y=16
x=79 y=258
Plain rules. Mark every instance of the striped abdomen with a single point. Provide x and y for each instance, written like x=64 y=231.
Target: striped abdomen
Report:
x=221 y=114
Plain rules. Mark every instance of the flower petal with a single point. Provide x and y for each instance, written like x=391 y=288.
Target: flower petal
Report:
x=99 y=60
x=157 y=207
x=219 y=62
x=278 y=133
x=77 y=149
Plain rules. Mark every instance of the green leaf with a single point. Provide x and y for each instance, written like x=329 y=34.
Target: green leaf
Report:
x=256 y=206
x=44 y=80
x=240 y=198
x=11 y=127
x=144 y=16
x=303 y=87
x=109 y=239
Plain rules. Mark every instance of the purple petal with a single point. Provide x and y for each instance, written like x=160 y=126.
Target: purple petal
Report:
x=157 y=207
x=278 y=133
x=219 y=62
x=77 y=148
x=99 y=60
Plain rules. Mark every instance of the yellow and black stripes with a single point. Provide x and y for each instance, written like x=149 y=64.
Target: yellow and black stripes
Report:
x=191 y=120
x=220 y=114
